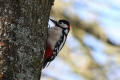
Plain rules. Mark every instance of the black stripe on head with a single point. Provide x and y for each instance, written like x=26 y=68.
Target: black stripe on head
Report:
x=65 y=22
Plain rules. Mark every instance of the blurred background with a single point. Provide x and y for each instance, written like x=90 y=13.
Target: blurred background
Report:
x=92 y=50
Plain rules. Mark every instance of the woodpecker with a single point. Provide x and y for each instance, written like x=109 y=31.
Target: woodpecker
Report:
x=57 y=36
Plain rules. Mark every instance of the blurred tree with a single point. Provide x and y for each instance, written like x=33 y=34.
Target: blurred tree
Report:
x=23 y=34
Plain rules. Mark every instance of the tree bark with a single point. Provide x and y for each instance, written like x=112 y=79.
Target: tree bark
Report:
x=23 y=34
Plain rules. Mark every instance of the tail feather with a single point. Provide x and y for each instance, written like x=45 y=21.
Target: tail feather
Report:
x=44 y=64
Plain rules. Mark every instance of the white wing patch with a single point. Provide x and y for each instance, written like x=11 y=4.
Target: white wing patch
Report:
x=64 y=39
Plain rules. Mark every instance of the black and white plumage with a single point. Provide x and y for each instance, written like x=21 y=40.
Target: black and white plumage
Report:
x=57 y=36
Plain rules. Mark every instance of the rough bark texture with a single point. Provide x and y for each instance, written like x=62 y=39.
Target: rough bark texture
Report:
x=23 y=34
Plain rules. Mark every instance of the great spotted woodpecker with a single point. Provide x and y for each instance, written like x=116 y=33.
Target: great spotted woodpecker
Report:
x=57 y=36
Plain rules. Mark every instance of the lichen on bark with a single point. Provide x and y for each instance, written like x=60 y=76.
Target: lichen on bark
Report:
x=23 y=34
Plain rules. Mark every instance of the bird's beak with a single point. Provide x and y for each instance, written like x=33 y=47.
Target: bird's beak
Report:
x=55 y=22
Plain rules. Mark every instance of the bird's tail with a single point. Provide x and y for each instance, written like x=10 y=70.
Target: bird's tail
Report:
x=45 y=63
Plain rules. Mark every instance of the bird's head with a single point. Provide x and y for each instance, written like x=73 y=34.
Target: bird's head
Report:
x=62 y=24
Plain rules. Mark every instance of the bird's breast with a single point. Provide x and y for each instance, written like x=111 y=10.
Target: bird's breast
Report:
x=54 y=35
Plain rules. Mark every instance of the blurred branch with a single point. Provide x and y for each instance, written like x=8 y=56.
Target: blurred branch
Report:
x=90 y=28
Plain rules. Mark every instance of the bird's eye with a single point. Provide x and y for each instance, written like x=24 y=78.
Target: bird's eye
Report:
x=60 y=22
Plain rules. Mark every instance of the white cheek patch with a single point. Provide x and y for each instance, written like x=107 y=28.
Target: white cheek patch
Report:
x=63 y=25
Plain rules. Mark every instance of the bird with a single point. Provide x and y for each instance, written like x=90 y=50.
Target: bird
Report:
x=57 y=36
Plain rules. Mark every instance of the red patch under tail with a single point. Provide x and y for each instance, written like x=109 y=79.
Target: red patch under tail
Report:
x=47 y=56
x=48 y=52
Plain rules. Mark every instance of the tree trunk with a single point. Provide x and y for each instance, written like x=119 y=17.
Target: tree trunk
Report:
x=23 y=34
